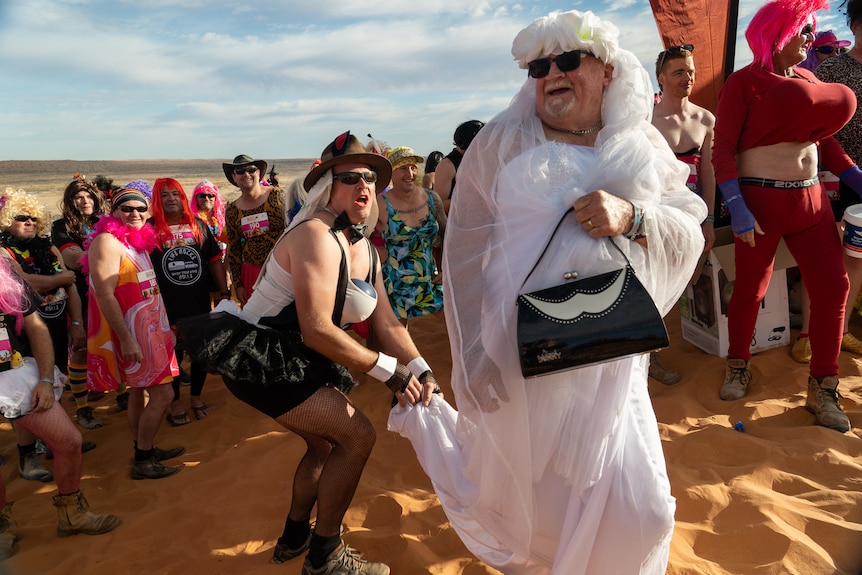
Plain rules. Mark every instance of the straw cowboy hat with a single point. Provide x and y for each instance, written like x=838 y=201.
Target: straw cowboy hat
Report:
x=402 y=156
x=346 y=148
x=242 y=160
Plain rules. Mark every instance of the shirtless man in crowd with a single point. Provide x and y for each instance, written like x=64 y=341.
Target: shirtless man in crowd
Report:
x=688 y=130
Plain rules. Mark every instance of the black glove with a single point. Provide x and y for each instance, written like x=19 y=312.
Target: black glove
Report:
x=427 y=378
x=400 y=379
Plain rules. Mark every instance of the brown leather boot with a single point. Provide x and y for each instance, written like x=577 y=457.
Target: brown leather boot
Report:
x=75 y=517
x=8 y=532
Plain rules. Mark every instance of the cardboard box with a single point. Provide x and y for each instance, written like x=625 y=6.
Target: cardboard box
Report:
x=703 y=306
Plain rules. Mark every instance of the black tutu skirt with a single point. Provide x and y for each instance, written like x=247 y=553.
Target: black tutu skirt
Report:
x=271 y=369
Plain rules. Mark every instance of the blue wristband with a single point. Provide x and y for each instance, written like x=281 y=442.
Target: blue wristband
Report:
x=741 y=218
x=852 y=177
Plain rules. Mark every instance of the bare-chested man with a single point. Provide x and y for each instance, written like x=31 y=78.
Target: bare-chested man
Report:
x=688 y=130
x=686 y=126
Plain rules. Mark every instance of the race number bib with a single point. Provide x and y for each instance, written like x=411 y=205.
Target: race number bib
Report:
x=148 y=284
x=255 y=224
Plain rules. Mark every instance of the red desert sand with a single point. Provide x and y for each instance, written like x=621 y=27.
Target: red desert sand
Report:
x=784 y=496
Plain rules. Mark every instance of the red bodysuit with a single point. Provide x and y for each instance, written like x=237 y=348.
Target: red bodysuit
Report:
x=760 y=108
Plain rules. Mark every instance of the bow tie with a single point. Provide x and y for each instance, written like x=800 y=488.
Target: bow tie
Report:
x=355 y=232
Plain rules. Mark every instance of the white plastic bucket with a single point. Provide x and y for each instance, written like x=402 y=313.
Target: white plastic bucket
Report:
x=853 y=231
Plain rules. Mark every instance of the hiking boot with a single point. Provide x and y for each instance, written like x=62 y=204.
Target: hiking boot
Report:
x=851 y=343
x=75 y=517
x=31 y=468
x=823 y=403
x=345 y=561
x=8 y=532
x=87 y=419
x=151 y=469
x=163 y=454
x=736 y=379
x=123 y=402
x=801 y=351
x=660 y=373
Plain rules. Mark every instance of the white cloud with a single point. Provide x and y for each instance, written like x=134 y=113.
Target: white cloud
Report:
x=104 y=79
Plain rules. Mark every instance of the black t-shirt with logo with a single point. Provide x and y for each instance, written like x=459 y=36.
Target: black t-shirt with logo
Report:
x=182 y=269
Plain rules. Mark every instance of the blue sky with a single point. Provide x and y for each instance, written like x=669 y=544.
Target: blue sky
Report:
x=135 y=79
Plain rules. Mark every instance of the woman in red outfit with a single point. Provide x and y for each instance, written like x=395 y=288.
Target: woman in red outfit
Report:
x=774 y=121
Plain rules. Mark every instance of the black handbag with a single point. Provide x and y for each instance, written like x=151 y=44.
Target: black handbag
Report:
x=586 y=321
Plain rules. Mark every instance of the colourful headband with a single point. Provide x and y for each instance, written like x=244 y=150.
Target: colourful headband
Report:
x=126 y=194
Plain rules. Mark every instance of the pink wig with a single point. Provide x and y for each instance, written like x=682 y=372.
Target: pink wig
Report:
x=217 y=215
x=12 y=300
x=775 y=24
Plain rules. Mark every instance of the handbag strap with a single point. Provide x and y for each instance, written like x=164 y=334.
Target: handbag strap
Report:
x=547 y=245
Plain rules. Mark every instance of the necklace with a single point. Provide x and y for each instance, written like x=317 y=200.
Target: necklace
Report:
x=412 y=210
x=575 y=132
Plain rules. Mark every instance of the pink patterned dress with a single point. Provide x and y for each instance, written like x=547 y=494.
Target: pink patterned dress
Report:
x=144 y=311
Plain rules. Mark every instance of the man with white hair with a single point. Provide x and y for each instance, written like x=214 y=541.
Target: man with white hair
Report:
x=564 y=473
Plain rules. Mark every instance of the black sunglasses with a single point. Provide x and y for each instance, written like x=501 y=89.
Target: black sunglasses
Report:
x=807 y=29
x=22 y=218
x=566 y=62
x=246 y=170
x=130 y=209
x=352 y=178
x=207 y=196
x=830 y=49
x=675 y=50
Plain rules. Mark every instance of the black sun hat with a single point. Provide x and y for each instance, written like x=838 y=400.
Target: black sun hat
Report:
x=242 y=160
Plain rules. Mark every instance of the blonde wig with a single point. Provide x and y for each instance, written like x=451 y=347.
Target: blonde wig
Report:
x=16 y=202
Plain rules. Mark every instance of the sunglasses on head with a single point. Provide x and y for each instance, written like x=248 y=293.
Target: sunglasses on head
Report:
x=246 y=170
x=675 y=50
x=352 y=178
x=130 y=209
x=830 y=49
x=206 y=196
x=22 y=218
x=566 y=62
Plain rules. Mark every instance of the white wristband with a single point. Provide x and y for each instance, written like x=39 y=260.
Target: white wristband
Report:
x=384 y=368
x=418 y=366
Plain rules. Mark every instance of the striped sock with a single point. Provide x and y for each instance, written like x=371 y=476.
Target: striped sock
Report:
x=78 y=383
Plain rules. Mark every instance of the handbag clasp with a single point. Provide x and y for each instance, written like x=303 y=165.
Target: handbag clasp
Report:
x=570 y=276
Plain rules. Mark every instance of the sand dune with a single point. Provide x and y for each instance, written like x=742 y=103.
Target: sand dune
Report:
x=782 y=497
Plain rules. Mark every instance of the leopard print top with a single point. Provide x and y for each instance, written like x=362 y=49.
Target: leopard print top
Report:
x=251 y=234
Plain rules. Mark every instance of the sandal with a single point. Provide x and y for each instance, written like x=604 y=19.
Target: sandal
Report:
x=178 y=420
x=201 y=410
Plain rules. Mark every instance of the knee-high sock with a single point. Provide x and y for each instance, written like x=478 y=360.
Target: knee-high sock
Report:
x=78 y=383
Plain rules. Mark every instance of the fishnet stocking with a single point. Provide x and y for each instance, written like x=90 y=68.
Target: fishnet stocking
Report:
x=339 y=439
x=57 y=430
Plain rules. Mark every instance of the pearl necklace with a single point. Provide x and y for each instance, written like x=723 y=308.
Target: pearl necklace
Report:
x=575 y=132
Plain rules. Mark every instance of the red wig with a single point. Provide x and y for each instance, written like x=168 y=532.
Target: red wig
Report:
x=163 y=229
x=776 y=23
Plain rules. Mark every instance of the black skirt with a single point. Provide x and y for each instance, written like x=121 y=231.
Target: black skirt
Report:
x=270 y=369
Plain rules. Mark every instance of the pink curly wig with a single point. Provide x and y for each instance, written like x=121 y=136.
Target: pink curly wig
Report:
x=776 y=23
x=207 y=187
x=12 y=300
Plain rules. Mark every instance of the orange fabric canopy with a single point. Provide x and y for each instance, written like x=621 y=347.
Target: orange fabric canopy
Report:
x=708 y=24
